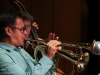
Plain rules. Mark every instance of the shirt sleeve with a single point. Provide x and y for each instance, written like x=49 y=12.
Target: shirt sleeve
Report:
x=45 y=64
x=9 y=67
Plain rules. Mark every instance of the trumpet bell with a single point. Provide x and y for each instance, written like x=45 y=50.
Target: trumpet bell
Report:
x=96 y=47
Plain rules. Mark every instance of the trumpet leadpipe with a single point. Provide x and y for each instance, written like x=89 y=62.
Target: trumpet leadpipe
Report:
x=94 y=47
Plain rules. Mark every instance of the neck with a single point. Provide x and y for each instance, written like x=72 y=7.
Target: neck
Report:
x=7 y=41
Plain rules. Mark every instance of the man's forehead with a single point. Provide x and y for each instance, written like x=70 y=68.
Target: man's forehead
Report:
x=19 y=21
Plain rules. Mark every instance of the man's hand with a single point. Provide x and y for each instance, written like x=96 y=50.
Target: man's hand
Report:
x=35 y=25
x=52 y=48
x=52 y=36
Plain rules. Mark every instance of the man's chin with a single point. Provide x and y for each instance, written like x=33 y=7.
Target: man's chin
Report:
x=22 y=44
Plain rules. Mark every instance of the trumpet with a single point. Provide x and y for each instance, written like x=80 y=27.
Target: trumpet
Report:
x=93 y=47
x=80 y=60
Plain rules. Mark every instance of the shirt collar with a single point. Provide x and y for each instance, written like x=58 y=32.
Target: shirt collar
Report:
x=8 y=47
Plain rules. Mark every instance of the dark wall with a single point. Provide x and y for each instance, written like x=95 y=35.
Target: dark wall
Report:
x=93 y=33
x=71 y=20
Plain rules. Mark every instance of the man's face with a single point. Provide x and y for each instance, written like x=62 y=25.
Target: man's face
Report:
x=28 y=27
x=18 y=33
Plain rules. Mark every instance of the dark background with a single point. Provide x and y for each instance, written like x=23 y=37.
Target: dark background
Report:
x=71 y=20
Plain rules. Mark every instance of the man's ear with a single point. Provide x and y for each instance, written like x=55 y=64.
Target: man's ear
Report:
x=8 y=31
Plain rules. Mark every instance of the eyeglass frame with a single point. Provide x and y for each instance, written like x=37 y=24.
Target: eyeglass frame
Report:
x=20 y=29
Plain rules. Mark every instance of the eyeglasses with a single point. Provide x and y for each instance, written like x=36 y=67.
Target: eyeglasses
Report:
x=20 y=29
x=28 y=26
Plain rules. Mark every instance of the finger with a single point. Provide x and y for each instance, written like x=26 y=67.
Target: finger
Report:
x=53 y=36
x=34 y=23
x=49 y=36
x=57 y=38
x=40 y=39
x=50 y=43
x=37 y=28
x=57 y=44
x=53 y=43
x=59 y=48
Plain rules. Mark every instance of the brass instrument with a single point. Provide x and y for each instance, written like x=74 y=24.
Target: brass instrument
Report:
x=93 y=47
x=80 y=60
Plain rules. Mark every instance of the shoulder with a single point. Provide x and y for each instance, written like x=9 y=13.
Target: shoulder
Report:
x=5 y=56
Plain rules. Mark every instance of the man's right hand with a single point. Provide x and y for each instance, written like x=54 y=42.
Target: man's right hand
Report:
x=52 y=47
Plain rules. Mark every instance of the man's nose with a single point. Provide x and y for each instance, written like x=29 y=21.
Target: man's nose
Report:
x=25 y=32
